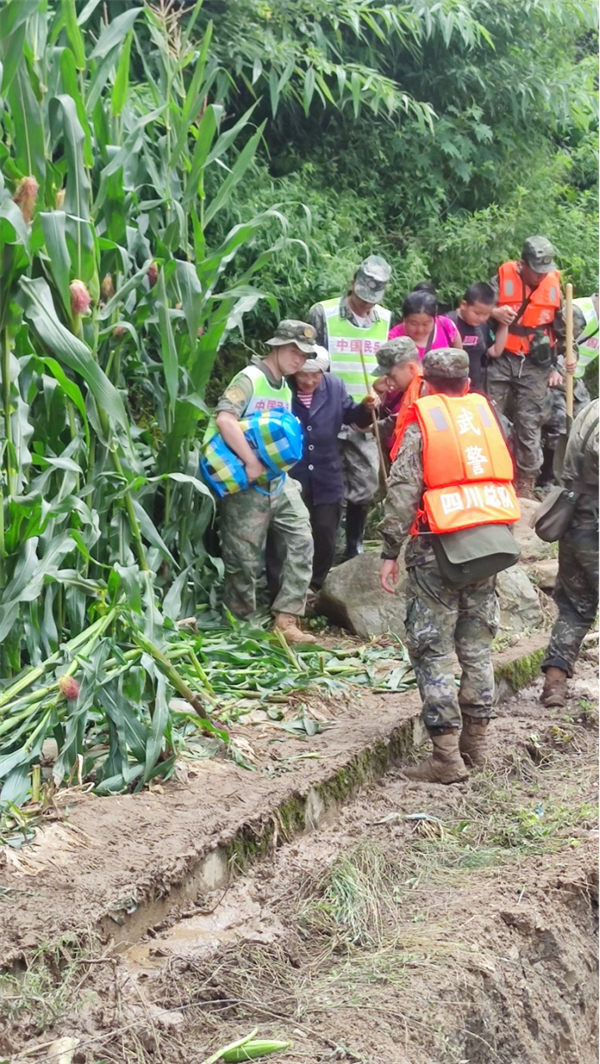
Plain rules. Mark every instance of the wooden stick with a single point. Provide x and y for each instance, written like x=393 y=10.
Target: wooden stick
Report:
x=569 y=350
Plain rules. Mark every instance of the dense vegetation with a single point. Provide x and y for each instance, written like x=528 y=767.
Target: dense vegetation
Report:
x=171 y=180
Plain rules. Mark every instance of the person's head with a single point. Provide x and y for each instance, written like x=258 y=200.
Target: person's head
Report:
x=446 y=370
x=308 y=378
x=537 y=259
x=418 y=315
x=368 y=284
x=477 y=303
x=290 y=347
x=425 y=286
x=398 y=360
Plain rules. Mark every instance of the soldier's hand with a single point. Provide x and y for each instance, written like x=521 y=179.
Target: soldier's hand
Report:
x=554 y=379
x=254 y=469
x=505 y=314
x=570 y=367
x=388 y=575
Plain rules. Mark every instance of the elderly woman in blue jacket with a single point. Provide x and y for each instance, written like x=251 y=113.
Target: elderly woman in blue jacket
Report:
x=322 y=405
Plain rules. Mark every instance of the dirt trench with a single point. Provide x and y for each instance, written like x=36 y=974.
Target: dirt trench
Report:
x=426 y=925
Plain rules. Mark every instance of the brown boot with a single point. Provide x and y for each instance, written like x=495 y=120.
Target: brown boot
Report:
x=473 y=742
x=288 y=625
x=555 y=688
x=445 y=764
x=524 y=486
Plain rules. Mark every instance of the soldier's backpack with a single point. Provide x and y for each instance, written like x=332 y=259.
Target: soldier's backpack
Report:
x=275 y=435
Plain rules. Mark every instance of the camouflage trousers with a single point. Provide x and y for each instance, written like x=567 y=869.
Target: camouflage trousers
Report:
x=360 y=465
x=576 y=595
x=245 y=521
x=511 y=378
x=443 y=624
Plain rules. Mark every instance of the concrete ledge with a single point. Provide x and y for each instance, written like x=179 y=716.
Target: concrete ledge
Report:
x=189 y=838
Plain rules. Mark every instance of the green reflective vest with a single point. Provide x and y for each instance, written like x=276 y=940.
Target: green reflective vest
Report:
x=346 y=344
x=265 y=396
x=587 y=341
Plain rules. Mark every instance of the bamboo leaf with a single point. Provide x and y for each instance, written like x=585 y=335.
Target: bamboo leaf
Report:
x=235 y=175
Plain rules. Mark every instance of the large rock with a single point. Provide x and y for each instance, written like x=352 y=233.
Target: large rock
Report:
x=352 y=597
x=531 y=546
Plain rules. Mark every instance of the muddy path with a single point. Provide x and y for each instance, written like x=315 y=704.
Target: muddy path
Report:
x=424 y=925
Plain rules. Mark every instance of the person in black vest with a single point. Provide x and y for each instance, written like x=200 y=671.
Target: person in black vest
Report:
x=322 y=405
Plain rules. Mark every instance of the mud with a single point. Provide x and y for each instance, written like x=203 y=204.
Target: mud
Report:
x=426 y=925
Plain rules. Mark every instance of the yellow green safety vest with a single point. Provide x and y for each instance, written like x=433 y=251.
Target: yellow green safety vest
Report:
x=265 y=396
x=346 y=343
x=587 y=341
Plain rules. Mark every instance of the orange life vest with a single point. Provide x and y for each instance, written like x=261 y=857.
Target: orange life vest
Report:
x=539 y=312
x=403 y=417
x=467 y=467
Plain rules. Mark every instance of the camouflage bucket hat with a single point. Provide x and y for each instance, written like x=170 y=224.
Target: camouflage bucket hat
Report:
x=300 y=333
x=449 y=363
x=394 y=353
x=371 y=278
x=539 y=254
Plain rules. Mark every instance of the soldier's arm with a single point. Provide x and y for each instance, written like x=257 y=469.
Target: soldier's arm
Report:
x=316 y=318
x=230 y=408
x=405 y=491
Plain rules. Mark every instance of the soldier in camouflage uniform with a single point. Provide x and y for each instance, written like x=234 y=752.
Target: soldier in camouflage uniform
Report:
x=441 y=621
x=352 y=329
x=274 y=507
x=576 y=591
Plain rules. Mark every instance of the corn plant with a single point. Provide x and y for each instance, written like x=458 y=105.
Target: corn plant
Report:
x=114 y=161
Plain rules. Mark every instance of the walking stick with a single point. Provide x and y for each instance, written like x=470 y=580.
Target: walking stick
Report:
x=569 y=354
x=382 y=472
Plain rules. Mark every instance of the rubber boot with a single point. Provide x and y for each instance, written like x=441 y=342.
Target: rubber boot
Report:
x=524 y=486
x=473 y=742
x=555 y=688
x=356 y=519
x=445 y=764
x=289 y=626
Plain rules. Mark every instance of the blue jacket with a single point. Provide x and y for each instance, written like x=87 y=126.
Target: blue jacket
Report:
x=319 y=471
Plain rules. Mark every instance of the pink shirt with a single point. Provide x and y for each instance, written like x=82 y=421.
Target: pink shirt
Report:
x=445 y=333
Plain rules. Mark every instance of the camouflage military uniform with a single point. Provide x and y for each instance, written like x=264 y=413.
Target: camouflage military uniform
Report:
x=245 y=519
x=440 y=621
x=576 y=591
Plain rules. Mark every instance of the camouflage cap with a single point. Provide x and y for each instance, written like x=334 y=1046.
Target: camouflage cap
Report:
x=446 y=363
x=319 y=363
x=371 y=278
x=394 y=353
x=300 y=333
x=539 y=254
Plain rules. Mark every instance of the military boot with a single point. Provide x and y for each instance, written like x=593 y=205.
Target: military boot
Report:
x=555 y=688
x=445 y=764
x=524 y=486
x=473 y=742
x=289 y=626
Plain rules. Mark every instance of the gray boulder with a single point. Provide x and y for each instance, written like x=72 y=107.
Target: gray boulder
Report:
x=531 y=546
x=352 y=598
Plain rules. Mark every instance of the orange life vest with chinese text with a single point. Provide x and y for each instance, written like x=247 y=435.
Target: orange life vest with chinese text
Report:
x=467 y=467
x=403 y=417
x=538 y=314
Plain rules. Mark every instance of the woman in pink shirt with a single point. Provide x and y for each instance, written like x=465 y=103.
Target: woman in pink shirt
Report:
x=421 y=321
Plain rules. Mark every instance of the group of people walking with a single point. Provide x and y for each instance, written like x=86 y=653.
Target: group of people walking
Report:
x=424 y=399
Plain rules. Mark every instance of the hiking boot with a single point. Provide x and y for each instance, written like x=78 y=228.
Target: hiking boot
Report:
x=555 y=688
x=288 y=625
x=473 y=742
x=524 y=486
x=445 y=764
